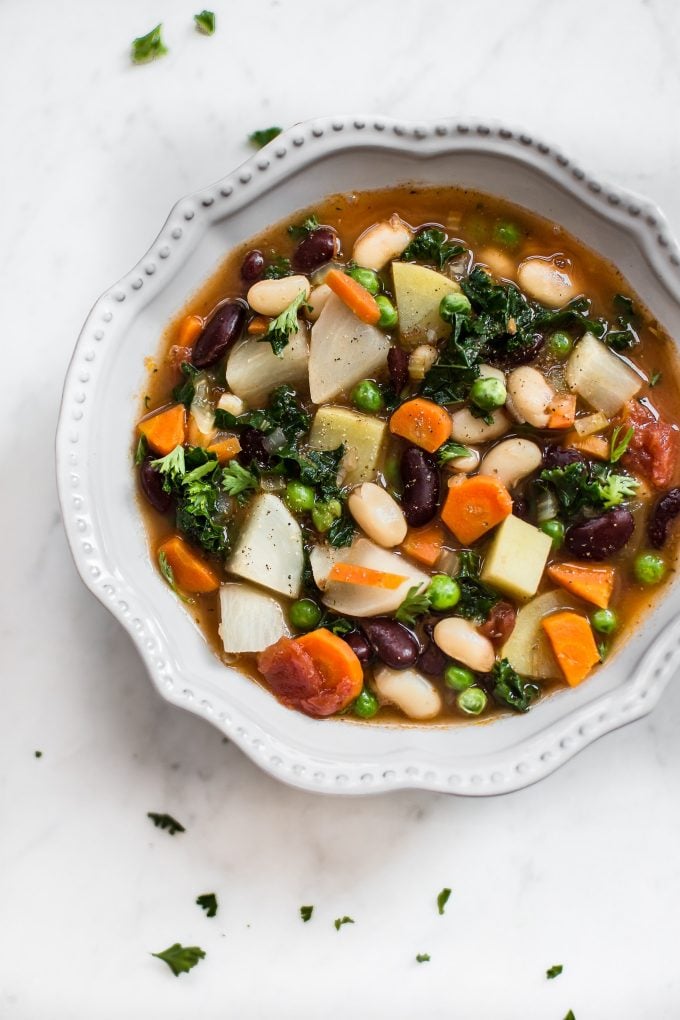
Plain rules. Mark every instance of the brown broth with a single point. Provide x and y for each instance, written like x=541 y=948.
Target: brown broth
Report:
x=469 y=216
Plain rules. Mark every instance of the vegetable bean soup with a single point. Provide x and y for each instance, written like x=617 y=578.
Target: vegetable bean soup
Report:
x=412 y=455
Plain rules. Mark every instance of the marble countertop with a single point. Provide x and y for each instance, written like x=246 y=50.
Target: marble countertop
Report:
x=582 y=869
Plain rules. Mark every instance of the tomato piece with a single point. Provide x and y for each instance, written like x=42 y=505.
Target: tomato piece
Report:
x=178 y=354
x=298 y=683
x=653 y=449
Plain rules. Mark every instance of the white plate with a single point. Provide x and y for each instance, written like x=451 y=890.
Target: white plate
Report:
x=100 y=405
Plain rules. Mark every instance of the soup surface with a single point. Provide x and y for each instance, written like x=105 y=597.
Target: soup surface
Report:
x=413 y=454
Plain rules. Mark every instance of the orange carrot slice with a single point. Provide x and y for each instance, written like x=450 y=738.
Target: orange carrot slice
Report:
x=573 y=644
x=474 y=506
x=191 y=573
x=165 y=430
x=562 y=411
x=424 y=544
x=225 y=449
x=594 y=584
x=334 y=658
x=190 y=328
x=356 y=297
x=349 y=573
x=423 y=423
x=258 y=326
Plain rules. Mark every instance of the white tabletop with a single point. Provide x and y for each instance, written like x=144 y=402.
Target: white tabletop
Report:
x=582 y=870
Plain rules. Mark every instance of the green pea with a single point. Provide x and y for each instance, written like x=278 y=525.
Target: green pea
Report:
x=507 y=234
x=366 y=704
x=299 y=497
x=323 y=514
x=366 y=396
x=458 y=677
x=304 y=614
x=488 y=393
x=388 y=313
x=560 y=345
x=554 y=529
x=649 y=568
x=604 y=621
x=368 y=279
x=452 y=305
x=472 y=701
x=443 y=592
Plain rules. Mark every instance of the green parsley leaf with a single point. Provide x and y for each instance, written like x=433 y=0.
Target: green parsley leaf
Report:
x=431 y=245
x=282 y=326
x=450 y=451
x=184 y=391
x=619 y=448
x=616 y=489
x=141 y=451
x=205 y=22
x=163 y=821
x=306 y=913
x=206 y=468
x=443 y=899
x=148 y=47
x=339 y=921
x=180 y=959
x=511 y=689
x=172 y=466
x=423 y=957
x=168 y=573
x=37 y=754
x=416 y=603
x=655 y=379
x=570 y=1015
x=238 y=481
x=197 y=512
x=208 y=902
x=277 y=269
x=554 y=971
x=263 y=136
x=308 y=226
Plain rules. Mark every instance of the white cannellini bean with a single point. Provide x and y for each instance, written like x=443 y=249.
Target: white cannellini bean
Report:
x=491 y=372
x=317 y=299
x=464 y=465
x=378 y=514
x=530 y=393
x=468 y=429
x=421 y=360
x=408 y=690
x=231 y=403
x=271 y=297
x=498 y=262
x=460 y=640
x=512 y=460
x=381 y=243
x=547 y=280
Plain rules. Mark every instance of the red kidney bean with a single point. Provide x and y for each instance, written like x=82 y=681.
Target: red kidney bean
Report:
x=397 y=366
x=601 y=537
x=524 y=353
x=420 y=477
x=662 y=516
x=394 y=645
x=252 y=266
x=432 y=660
x=560 y=456
x=314 y=250
x=501 y=622
x=520 y=508
x=151 y=481
x=359 y=645
x=219 y=334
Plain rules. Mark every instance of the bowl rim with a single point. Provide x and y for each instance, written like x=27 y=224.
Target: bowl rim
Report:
x=289 y=152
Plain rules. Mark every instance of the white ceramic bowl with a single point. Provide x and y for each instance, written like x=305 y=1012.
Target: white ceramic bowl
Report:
x=100 y=405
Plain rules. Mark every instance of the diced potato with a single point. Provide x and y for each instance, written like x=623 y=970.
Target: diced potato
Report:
x=363 y=600
x=528 y=649
x=321 y=560
x=269 y=547
x=409 y=690
x=362 y=435
x=418 y=292
x=590 y=424
x=343 y=351
x=517 y=558
x=599 y=376
x=251 y=620
x=253 y=370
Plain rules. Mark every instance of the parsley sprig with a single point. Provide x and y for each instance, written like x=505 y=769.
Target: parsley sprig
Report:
x=279 y=330
x=617 y=449
x=239 y=481
x=148 y=47
x=180 y=959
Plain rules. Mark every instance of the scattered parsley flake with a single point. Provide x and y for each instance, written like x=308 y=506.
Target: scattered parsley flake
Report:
x=264 y=136
x=208 y=902
x=655 y=378
x=280 y=328
x=451 y=451
x=423 y=957
x=141 y=450
x=339 y=921
x=306 y=913
x=180 y=959
x=554 y=971
x=301 y=230
x=278 y=268
x=443 y=899
x=37 y=754
x=148 y=47
x=205 y=22
x=416 y=603
x=617 y=449
x=163 y=821
x=172 y=466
